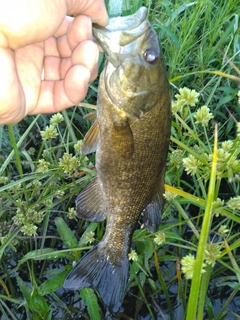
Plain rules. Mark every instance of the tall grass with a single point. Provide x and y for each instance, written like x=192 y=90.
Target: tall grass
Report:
x=183 y=270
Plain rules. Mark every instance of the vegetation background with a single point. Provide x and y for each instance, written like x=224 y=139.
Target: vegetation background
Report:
x=190 y=268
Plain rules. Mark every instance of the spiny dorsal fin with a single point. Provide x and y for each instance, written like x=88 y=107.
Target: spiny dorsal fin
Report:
x=89 y=203
x=91 y=139
x=91 y=116
x=122 y=138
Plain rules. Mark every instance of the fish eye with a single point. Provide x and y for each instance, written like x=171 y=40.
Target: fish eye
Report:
x=151 y=56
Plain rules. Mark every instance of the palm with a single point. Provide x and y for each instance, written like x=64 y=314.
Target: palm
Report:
x=68 y=56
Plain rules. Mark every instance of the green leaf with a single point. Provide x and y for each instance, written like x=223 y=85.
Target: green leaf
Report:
x=54 y=283
x=178 y=12
x=26 y=290
x=38 y=305
x=91 y=302
x=172 y=236
x=193 y=308
x=171 y=35
x=44 y=254
x=8 y=241
x=148 y=253
x=142 y=277
x=66 y=233
x=92 y=227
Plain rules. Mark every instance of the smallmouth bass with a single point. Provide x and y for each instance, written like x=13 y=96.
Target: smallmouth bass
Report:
x=131 y=137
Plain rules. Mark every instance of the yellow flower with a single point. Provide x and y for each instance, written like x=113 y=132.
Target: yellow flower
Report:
x=203 y=115
x=176 y=158
x=56 y=119
x=238 y=129
x=43 y=165
x=188 y=263
x=223 y=230
x=169 y=196
x=191 y=164
x=29 y=230
x=217 y=207
x=227 y=145
x=133 y=255
x=187 y=96
x=78 y=145
x=72 y=213
x=234 y=203
x=68 y=163
x=177 y=106
x=212 y=252
x=49 y=133
x=160 y=238
x=90 y=237
x=3 y=180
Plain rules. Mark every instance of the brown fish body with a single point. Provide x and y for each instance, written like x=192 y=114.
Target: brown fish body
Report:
x=131 y=135
x=130 y=184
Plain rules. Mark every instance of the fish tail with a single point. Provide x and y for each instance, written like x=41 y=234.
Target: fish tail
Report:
x=101 y=272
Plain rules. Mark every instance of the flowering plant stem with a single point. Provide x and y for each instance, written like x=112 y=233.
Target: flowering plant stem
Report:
x=69 y=126
x=23 y=137
x=195 y=291
x=163 y=284
x=203 y=292
x=15 y=148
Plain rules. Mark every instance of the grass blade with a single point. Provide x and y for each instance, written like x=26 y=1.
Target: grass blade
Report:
x=195 y=287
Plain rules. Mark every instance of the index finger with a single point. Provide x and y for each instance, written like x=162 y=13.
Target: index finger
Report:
x=95 y=9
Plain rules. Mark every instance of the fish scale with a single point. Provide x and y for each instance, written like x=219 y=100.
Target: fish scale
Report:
x=131 y=138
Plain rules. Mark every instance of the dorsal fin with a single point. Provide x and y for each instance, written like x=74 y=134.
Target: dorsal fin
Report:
x=91 y=139
x=91 y=116
x=90 y=204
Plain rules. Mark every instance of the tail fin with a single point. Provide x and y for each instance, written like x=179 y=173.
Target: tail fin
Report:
x=96 y=270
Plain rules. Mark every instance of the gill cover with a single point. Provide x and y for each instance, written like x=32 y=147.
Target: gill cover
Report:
x=132 y=72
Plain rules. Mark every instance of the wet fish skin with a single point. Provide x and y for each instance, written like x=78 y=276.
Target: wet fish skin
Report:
x=131 y=138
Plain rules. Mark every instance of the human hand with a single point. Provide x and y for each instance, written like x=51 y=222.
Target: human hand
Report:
x=37 y=35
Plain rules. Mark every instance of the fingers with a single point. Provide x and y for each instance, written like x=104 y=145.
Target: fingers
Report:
x=79 y=30
x=73 y=47
x=85 y=54
x=95 y=9
x=27 y=22
x=11 y=95
x=69 y=57
x=62 y=94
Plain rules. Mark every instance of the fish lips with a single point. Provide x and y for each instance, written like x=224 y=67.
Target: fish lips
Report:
x=118 y=37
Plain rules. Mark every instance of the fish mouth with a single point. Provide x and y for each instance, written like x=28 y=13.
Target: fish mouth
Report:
x=116 y=38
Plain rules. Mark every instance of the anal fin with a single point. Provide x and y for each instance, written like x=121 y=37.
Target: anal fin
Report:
x=90 y=203
x=153 y=212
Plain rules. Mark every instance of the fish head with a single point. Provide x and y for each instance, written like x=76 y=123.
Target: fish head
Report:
x=134 y=75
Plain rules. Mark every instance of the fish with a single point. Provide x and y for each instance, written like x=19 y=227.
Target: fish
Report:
x=130 y=135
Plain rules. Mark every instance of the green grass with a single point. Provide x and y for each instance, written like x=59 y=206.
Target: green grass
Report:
x=41 y=178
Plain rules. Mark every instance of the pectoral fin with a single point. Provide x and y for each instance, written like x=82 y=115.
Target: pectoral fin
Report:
x=90 y=204
x=91 y=139
x=122 y=138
